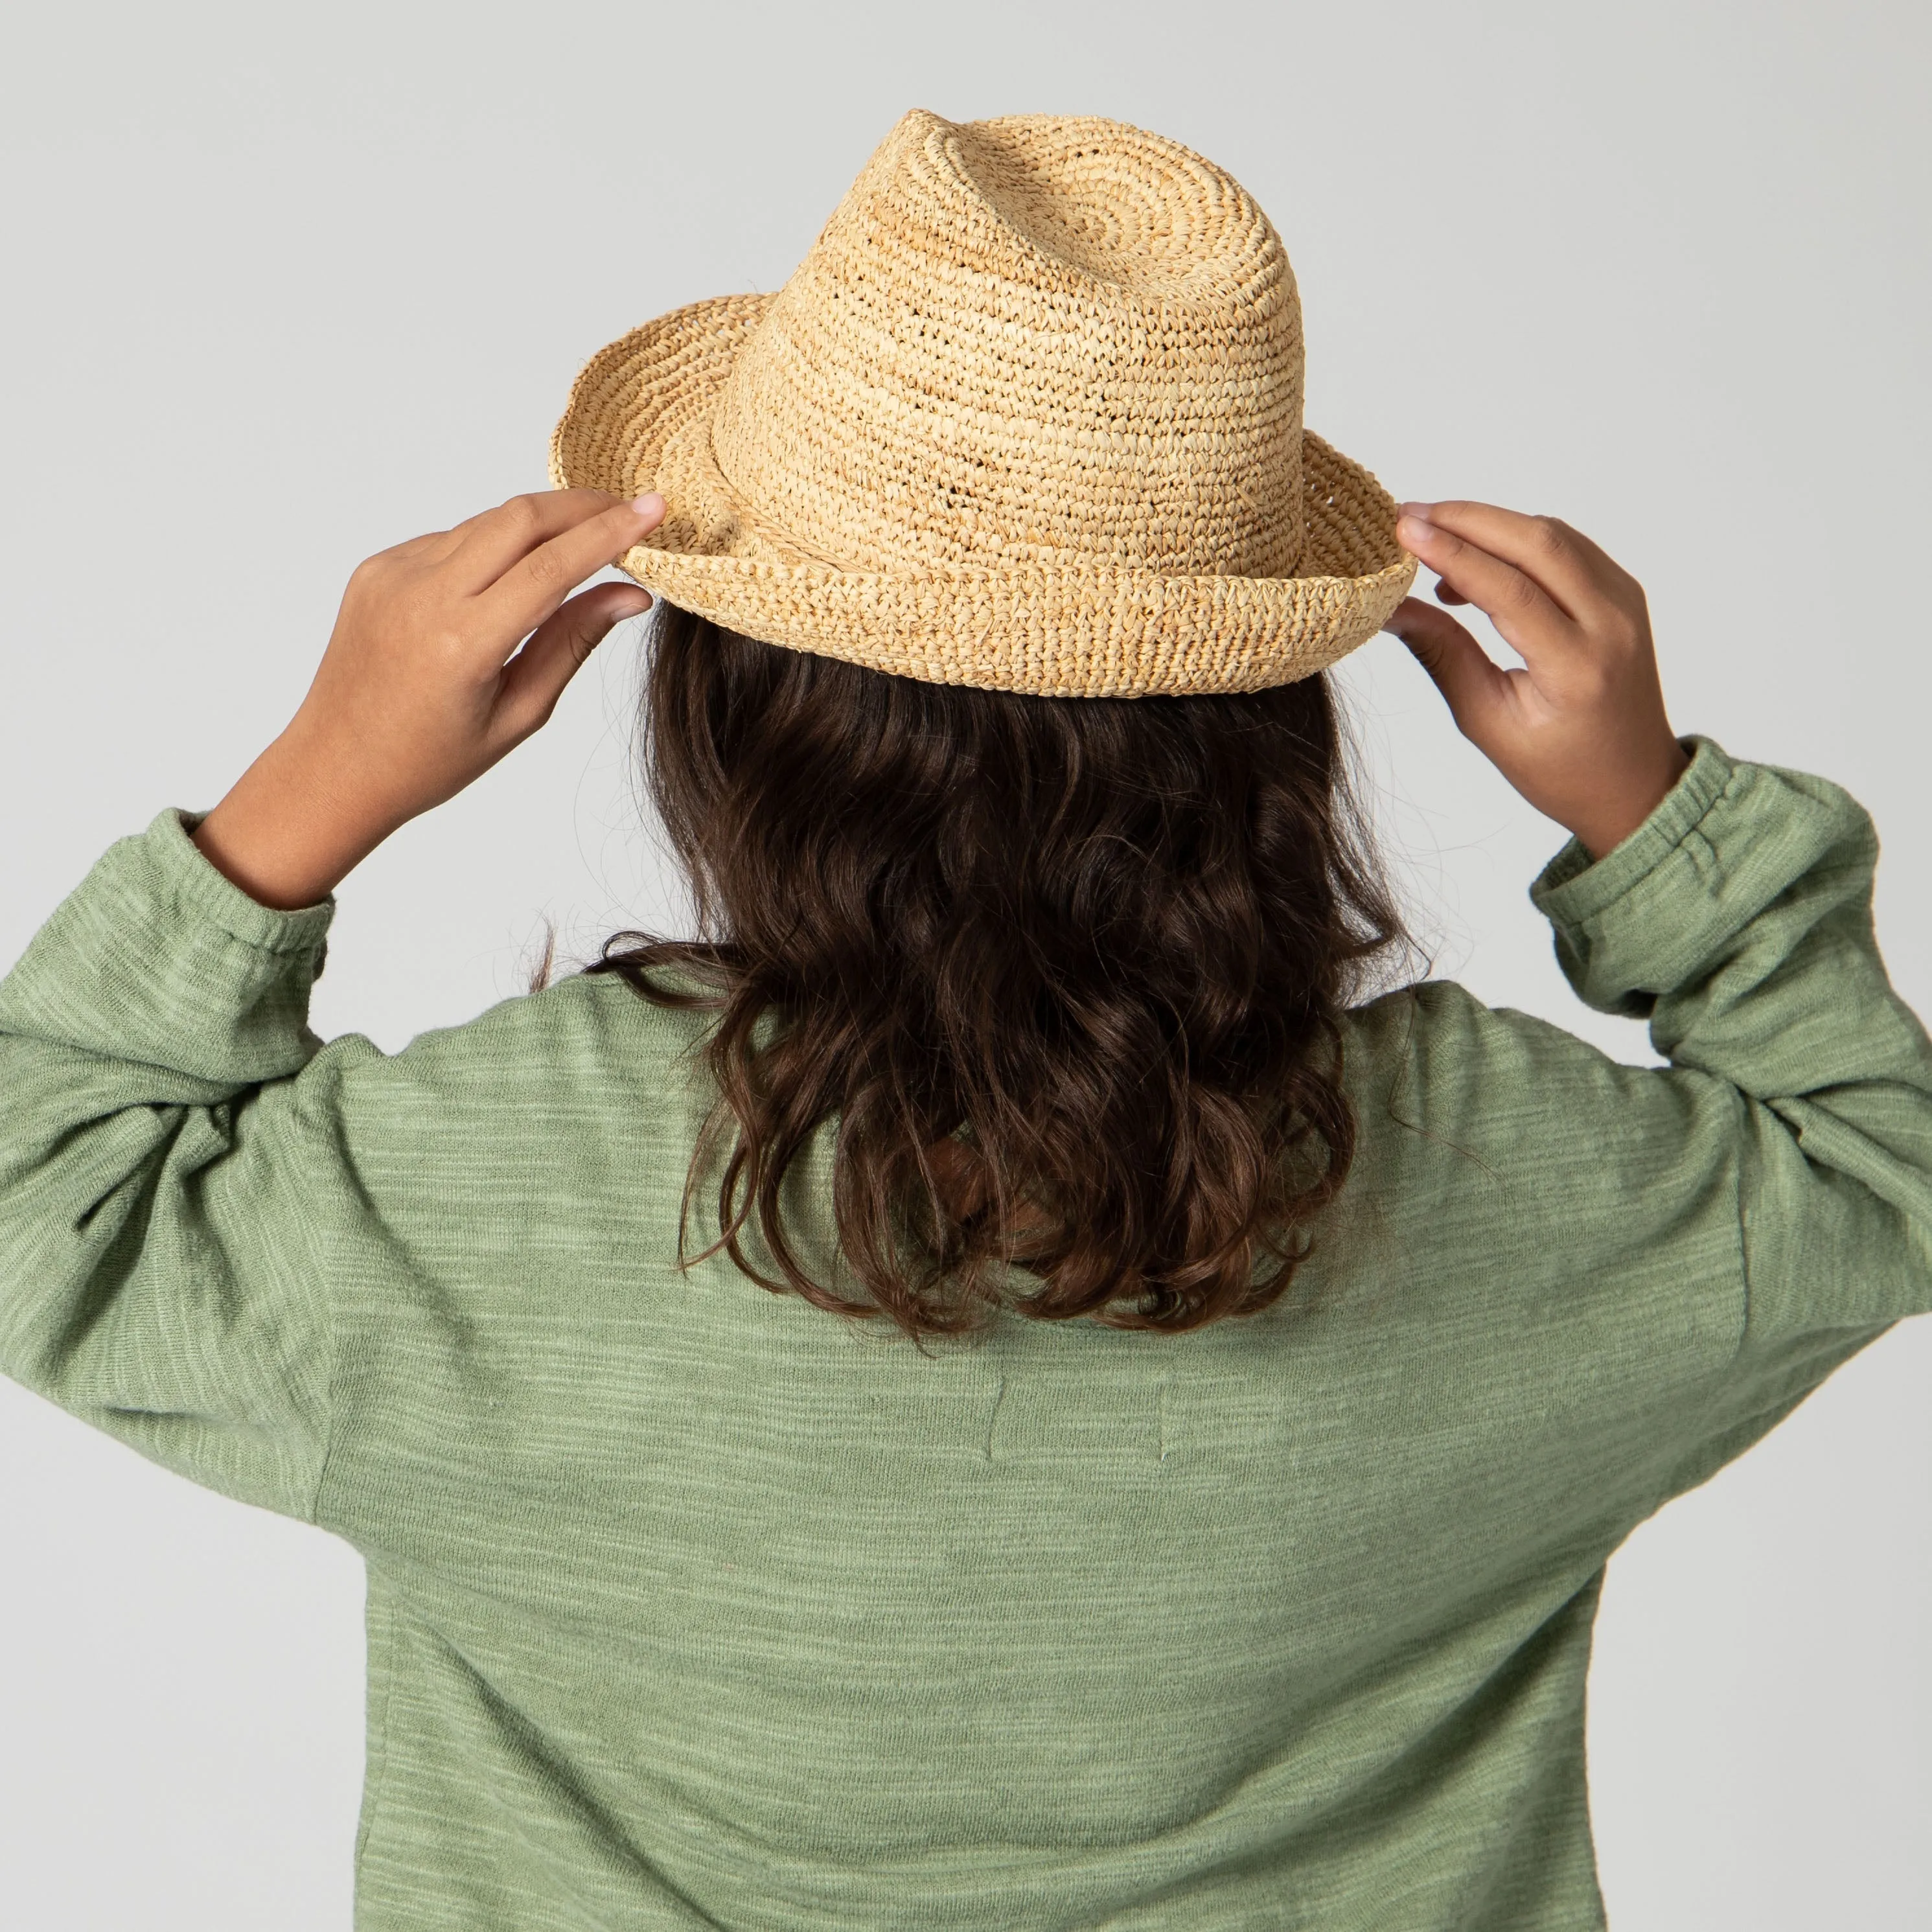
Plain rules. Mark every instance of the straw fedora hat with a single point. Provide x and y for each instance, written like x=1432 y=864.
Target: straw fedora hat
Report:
x=1028 y=416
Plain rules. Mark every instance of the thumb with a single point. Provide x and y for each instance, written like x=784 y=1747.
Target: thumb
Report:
x=1472 y=685
x=534 y=679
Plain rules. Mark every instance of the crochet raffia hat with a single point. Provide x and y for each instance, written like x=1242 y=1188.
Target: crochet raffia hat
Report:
x=1028 y=416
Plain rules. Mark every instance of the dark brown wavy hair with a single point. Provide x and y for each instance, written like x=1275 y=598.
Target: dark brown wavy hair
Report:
x=1065 y=974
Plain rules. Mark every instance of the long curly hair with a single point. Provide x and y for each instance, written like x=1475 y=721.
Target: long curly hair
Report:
x=1065 y=974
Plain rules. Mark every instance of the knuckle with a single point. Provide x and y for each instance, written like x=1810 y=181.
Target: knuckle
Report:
x=1551 y=535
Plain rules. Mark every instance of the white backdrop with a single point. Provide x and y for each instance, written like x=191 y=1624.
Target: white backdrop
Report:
x=284 y=286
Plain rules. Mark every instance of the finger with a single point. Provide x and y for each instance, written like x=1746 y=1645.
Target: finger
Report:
x=1571 y=571
x=1447 y=593
x=532 y=588
x=490 y=543
x=1473 y=685
x=1512 y=601
x=534 y=679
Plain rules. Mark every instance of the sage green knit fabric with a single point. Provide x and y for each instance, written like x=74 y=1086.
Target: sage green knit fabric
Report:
x=691 y=1605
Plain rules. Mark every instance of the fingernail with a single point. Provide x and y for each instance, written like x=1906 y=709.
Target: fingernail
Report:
x=650 y=504
x=1413 y=528
x=1421 y=510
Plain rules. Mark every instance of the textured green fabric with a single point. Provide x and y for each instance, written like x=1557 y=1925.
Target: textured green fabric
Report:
x=691 y=1605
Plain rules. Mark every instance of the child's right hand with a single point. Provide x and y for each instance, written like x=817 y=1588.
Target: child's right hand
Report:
x=1580 y=730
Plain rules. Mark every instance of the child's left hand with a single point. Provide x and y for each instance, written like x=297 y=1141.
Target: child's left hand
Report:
x=418 y=693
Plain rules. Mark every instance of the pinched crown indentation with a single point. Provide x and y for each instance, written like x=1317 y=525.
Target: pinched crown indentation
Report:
x=1030 y=341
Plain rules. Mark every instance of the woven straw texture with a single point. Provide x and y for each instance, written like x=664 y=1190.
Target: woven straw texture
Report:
x=1028 y=416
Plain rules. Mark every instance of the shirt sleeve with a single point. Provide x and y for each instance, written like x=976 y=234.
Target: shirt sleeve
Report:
x=161 y=1142
x=1738 y=921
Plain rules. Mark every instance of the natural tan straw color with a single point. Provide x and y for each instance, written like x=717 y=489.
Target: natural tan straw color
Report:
x=1028 y=416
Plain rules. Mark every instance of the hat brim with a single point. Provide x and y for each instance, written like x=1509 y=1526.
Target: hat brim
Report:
x=637 y=419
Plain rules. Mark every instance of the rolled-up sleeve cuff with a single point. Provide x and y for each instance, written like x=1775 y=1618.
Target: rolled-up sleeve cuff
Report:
x=156 y=955
x=1573 y=888
x=200 y=887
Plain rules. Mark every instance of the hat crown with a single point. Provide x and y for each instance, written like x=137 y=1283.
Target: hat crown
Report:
x=1036 y=339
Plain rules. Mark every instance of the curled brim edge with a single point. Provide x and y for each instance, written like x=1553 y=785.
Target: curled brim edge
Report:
x=637 y=419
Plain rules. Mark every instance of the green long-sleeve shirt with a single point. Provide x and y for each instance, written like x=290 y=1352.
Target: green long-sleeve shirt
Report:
x=691 y=1605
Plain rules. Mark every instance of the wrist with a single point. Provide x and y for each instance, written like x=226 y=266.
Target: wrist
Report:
x=1603 y=829
x=280 y=835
